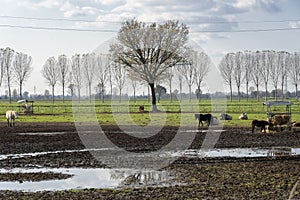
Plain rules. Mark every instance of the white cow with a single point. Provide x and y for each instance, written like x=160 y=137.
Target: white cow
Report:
x=10 y=117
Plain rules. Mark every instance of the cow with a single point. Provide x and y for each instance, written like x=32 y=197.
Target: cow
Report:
x=204 y=117
x=243 y=116
x=10 y=117
x=224 y=116
x=279 y=119
x=295 y=124
x=259 y=123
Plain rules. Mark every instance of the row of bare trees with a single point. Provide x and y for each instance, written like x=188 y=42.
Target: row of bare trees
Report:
x=14 y=67
x=76 y=71
x=265 y=68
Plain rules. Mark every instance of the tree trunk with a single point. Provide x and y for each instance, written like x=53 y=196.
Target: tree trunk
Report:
x=275 y=93
x=9 y=91
x=120 y=95
x=154 y=108
x=171 y=92
x=180 y=90
x=266 y=87
x=247 y=91
x=230 y=92
x=199 y=90
x=190 y=91
x=239 y=94
x=257 y=93
x=63 y=90
x=102 y=92
x=296 y=93
x=134 y=100
x=90 y=92
x=78 y=93
x=148 y=95
x=282 y=95
x=171 y=95
x=21 y=91
x=52 y=94
x=111 y=89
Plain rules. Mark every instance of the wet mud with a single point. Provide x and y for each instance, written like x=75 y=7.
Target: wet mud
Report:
x=272 y=177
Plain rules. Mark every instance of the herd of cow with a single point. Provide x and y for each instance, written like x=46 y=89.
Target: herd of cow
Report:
x=272 y=123
x=274 y=120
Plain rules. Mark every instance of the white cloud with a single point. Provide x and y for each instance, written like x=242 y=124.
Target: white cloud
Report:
x=49 y=3
x=294 y=24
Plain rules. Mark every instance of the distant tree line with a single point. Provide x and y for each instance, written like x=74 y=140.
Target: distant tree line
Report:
x=14 y=67
x=261 y=68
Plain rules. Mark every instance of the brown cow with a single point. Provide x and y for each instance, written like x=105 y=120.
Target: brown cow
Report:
x=259 y=123
x=279 y=119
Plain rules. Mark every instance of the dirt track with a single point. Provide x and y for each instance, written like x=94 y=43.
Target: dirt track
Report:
x=264 y=178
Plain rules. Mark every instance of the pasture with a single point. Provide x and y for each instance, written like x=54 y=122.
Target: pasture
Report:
x=175 y=113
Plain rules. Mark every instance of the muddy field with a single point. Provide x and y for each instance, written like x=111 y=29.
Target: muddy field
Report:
x=275 y=177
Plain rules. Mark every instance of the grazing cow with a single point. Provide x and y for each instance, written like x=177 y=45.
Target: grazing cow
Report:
x=10 y=117
x=279 y=119
x=204 y=117
x=141 y=108
x=243 y=116
x=259 y=123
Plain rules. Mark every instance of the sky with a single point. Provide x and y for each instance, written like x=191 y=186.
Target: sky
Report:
x=45 y=28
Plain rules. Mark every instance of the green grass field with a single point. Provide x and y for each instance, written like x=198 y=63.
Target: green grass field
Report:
x=115 y=112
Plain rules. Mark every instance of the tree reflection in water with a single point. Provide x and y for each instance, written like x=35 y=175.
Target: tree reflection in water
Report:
x=140 y=178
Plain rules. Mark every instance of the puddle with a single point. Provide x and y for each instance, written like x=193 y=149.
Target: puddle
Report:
x=43 y=133
x=203 y=131
x=239 y=152
x=210 y=153
x=89 y=178
x=22 y=155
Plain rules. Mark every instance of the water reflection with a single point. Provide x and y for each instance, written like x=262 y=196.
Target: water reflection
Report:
x=140 y=178
x=239 y=152
x=88 y=178
x=43 y=133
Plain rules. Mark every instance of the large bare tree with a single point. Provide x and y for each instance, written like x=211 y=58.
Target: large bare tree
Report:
x=294 y=72
x=148 y=50
x=226 y=68
x=50 y=73
x=89 y=67
x=63 y=67
x=76 y=73
x=8 y=55
x=22 y=69
x=201 y=64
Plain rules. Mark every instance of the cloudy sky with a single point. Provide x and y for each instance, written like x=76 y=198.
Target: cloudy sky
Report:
x=45 y=28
